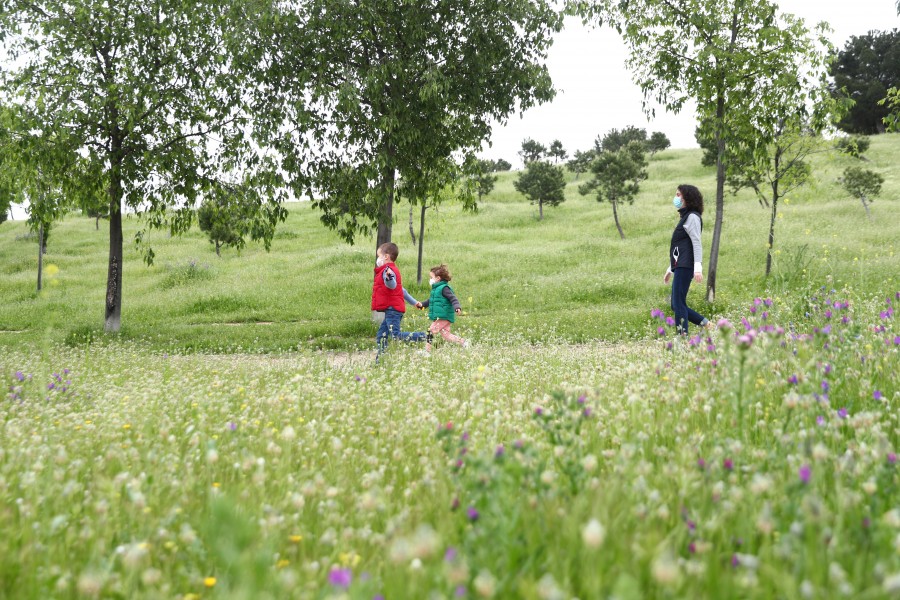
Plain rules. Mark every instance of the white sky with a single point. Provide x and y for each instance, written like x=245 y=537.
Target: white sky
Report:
x=595 y=92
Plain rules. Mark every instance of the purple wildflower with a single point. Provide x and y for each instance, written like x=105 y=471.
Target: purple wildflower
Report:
x=877 y=395
x=538 y=411
x=232 y=425
x=820 y=420
x=661 y=331
x=460 y=591
x=455 y=503
x=793 y=379
x=825 y=386
x=701 y=464
x=805 y=473
x=892 y=458
x=472 y=513
x=692 y=548
x=657 y=313
x=724 y=324
x=450 y=554
x=728 y=464
x=670 y=321
x=587 y=413
x=20 y=376
x=500 y=451
x=340 y=578
x=842 y=412
x=581 y=399
x=735 y=561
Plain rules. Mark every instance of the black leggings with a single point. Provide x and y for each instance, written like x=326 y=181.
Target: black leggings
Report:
x=681 y=283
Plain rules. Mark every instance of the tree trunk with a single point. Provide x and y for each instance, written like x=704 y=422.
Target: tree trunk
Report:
x=386 y=220
x=540 y=210
x=720 y=199
x=218 y=249
x=113 y=319
x=865 y=204
x=616 y=218
x=97 y=223
x=412 y=232
x=777 y=171
x=421 y=241
x=40 y=255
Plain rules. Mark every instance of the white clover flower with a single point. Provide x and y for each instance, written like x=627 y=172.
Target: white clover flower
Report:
x=548 y=589
x=760 y=484
x=90 y=584
x=820 y=452
x=593 y=534
x=870 y=487
x=288 y=434
x=665 y=570
x=892 y=518
x=485 y=584
x=891 y=583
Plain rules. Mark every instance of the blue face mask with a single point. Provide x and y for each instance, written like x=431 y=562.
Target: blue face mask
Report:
x=676 y=202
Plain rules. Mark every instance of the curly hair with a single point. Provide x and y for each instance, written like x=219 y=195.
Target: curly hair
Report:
x=693 y=199
x=441 y=272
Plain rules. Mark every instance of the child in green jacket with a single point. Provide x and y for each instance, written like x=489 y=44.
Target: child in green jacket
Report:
x=443 y=306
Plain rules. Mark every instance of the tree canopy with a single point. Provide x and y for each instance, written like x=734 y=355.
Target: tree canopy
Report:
x=377 y=91
x=864 y=70
x=542 y=183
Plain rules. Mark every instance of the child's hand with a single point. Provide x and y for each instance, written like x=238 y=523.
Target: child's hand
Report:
x=667 y=276
x=419 y=305
x=459 y=311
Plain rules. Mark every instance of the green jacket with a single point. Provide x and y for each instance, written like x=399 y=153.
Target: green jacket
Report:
x=440 y=307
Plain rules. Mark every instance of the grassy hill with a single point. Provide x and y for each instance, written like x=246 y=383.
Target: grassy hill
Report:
x=567 y=277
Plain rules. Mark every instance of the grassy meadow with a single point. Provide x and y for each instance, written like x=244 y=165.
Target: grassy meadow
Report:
x=236 y=439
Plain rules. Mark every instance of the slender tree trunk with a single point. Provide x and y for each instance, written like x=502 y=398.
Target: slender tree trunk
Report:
x=616 y=218
x=865 y=204
x=421 y=241
x=113 y=319
x=412 y=232
x=218 y=249
x=386 y=220
x=40 y=255
x=774 y=211
x=720 y=199
x=97 y=223
x=540 y=210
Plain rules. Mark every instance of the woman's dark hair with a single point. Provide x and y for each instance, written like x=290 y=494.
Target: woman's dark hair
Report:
x=693 y=199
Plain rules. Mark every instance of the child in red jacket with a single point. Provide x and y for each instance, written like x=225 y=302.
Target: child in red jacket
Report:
x=389 y=297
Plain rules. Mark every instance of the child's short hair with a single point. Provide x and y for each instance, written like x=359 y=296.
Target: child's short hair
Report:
x=441 y=271
x=391 y=249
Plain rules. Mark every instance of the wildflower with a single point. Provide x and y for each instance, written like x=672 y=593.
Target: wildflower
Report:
x=892 y=458
x=450 y=554
x=805 y=473
x=472 y=513
x=728 y=464
x=793 y=379
x=724 y=325
x=593 y=534
x=499 y=452
x=296 y=538
x=745 y=341
x=232 y=425
x=661 y=331
x=820 y=420
x=657 y=313
x=340 y=577
x=825 y=386
x=209 y=582
x=20 y=376
x=670 y=321
x=485 y=584
x=701 y=464
x=877 y=395
x=842 y=413
x=538 y=411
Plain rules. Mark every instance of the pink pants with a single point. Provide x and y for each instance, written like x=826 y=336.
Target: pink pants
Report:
x=442 y=326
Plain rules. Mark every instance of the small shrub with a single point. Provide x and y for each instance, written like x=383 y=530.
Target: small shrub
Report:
x=854 y=145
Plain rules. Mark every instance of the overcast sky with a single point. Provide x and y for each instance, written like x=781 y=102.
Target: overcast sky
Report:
x=595 y=92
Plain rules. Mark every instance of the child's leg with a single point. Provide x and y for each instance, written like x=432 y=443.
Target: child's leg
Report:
x=443 y=326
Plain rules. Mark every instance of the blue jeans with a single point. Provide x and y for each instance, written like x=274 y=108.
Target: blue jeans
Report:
x=681 y=283
x=390 y=328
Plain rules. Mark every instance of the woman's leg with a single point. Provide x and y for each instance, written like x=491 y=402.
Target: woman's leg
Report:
x=681 y=283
